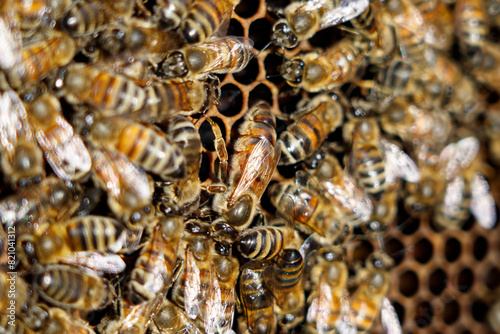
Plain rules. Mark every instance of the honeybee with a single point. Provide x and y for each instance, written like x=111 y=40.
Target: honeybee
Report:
x=60 y=321
x=369 y=300
x=129 y=188
x=323 y=114
x=329 y=310
x=14 y=326
x=145 y=146
x=36 y=13
x=263 y=242
x=71 y=287
x=7 y=298
x=287 y=288
x=304 y=18
x=303 y=201
x=342 y=189
x=491 y=127
x=37 y=59
x=64 y=149
x=439 y=19
x=334 y=67
x=256 y=299
x=170 y=319
x=22 y=160
x=51 y=199
x=104 y=91
x=171 y=12
x=375 y=162
x=215 y=55
x=80 y=236
x=466 y=189
x=204 y=18
x=182 y=197
x=252 y=164
x=155 y=265
x=472 y=25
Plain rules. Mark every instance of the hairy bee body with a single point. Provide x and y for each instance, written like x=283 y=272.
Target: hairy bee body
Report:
x=338 y=65
x=155 y=265
x=14 y=327
x=171 y=319
x=262 y=243
x=171 y=12
x=85 y=18
x=472 y=24
x=254 y=160
x=305 y=136
x=71 y=287
x=38 y=13
x=214 y=55
x=64 y=149
x=145 y=146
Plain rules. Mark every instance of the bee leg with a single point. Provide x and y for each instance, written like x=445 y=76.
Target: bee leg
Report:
x=214 y=188
x=220 y=147
x=142 y=8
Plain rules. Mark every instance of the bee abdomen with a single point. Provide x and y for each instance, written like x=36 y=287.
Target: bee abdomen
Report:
x=261 y=243
x=93 y=233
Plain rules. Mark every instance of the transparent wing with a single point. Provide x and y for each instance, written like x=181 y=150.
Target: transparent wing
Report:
x=453 y=196
x=193 y=293
x=458 y=156
x=10 y=37
x=321 y=307
x=13 y=120
x=240 y=47
x=139 y=318
x=346 y=323
x=108 y=263
x=398 y=164
x=390 y=320
x=482 y=203
x=70 y=160
x=345 y=11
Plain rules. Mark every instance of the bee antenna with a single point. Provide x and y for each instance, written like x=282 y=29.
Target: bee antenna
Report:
x=264 y=48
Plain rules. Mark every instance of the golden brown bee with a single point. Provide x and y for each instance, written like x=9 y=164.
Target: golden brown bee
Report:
x=262 y=242
x=204 y=18
x=14 y=292
x=369 y=299
x=252 y=164
x=182 y=197
x=215 y=55
x=171 y=12
x=64 y=149
x=334 y=67
x=329 y=308
x=375 y=162
x=384 y=211
x=256 y=299
x=304 y=18
x=155 y=265
x=93 y=86
x=16 y=326
x=71 y=287
x=171 y=319
x=36 y=13
x=323 y=114
x=38 y=58
x=51 y=199
x=80 y=236
x=60 y=321
x=491 y=127
x=129 y=188
x=145 y=146
x=472 y=25
x=304 y=202
x=22 y=159
x=439 y=19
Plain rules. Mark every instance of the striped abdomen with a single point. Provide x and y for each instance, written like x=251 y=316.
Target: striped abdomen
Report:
x=94 y=233
x=171 y=12
x=289 y=274
x=471 y=24
x=71 y=287
x=365 y=312
x=370 y=171
x=366 y=23
x=261 y=243
x=151 y=150
x=85 y=18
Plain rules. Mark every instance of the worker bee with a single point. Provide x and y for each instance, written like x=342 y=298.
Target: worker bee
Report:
x=375 y=162
x=170 y=13
x=145 y=146
x=253 y=163
x=50 y=200
x=37 y=58
x=38 y=13
x=22 y=160
x=171 y=319
x=472 y=25
x=14 y=326
x=214 y=55
x=71 y=287
x=64 y=149
x=263 y=242
x=59 y=321
x=304 y=18
x=182 y=197
x=81 y=236
x=303 y=201
x=129 y=188
x=466 y=189
x=369 y=300
x=341 y=188
x=256 y=299
x=155 y=265
x=329 y=308
x=204 y=18
x=314 y=122
x=336 y=66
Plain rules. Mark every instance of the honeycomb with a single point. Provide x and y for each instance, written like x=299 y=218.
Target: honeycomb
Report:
x=443 y=281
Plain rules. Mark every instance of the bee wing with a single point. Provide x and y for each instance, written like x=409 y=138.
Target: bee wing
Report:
x=108 y=263
x=141 y=315
x=458 y=156
x=345 y=11
x=390 y=320
x=193 y=293
x=345 y=323
x=10 y=37
x=482 y=204
x=398 y=164
x=12 y=120
x=320 y=307
x=259 y=167
x=453 y=195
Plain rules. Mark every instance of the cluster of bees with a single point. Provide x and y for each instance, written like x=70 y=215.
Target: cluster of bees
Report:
x=100 y=99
